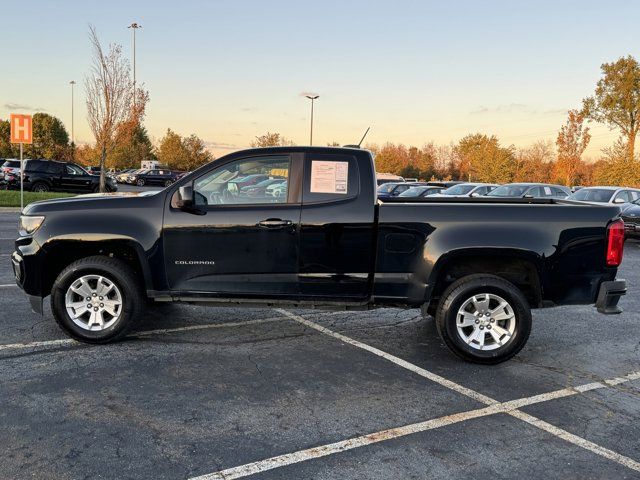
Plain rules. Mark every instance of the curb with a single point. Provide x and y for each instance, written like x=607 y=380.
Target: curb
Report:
x=9 y=209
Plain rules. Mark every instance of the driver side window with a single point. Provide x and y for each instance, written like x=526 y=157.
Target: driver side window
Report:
x=250 y=181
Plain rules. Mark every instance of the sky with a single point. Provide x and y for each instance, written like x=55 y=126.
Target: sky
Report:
x=415 y=71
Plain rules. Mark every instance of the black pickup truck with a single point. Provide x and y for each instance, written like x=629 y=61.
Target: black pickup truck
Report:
x=320 y=238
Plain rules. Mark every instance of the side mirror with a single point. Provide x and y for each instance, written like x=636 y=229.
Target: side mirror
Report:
x=619 y=200
x=528 y=195
x=185 y=198
x=475 y=194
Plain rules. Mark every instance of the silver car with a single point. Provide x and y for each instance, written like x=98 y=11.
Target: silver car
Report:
x=469 y=190
x=606 y=195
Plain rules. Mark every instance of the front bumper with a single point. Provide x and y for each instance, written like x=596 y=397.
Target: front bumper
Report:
x=22 y=264
x=608 y=296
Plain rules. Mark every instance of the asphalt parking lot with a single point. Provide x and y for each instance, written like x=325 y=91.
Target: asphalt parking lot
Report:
x=229 y=393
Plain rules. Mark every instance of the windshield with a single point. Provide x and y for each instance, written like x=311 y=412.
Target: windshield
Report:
x=412 y=192
x=592 y=195
x=458 y=190
x=509 y=191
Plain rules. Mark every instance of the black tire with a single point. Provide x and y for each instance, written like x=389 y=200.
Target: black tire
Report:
x=40 y=187
x=140 y=182
x=117 y=272
x=168 y=183
x=462 y=291
x=96 y=189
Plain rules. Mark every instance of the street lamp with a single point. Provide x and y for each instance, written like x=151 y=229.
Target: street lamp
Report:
x=73 y=137
x=312 y=98
x=134 y=26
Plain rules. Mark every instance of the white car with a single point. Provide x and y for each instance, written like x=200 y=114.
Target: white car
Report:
x=10 y=167
x=606 y=195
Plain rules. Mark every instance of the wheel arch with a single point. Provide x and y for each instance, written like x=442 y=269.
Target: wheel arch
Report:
x=59 y=253
x=520 y=267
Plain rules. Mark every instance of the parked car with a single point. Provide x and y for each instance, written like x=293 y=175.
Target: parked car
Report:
x=617 y=195
x=331 y=245
x=10 y=167
x=132 y=176
x=247 y=180
x=56 y=176
x=445 y=183
x=154 y=177
x=631 y=217
x=393 y=189
x=259 y=189
x=469 y=189
x=277 y=190
x=530 y=190
x=421 y=191
x=382 y=178
x=122 y=175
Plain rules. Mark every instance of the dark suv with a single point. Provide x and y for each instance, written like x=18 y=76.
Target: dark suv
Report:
x=155 y=177
x=52 y=175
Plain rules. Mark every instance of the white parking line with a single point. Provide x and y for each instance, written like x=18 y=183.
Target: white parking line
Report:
x=509 y=407
x=398 y=361
x=69 y=341
x=628 y=462
x=8 y=285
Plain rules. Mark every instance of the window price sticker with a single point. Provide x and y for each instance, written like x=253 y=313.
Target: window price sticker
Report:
x=329 y=177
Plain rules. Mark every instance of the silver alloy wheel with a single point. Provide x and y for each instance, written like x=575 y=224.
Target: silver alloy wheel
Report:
x=486 y=321
x=93 y=302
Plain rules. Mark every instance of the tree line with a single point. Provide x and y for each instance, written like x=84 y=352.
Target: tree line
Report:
x=116 y=116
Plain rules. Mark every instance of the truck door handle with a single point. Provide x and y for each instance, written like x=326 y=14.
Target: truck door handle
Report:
x=275 y=223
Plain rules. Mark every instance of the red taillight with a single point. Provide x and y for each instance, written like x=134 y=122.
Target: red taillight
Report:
x=615 y=243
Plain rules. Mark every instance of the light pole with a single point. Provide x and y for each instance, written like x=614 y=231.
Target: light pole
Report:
x=73 y=138
x=134 y=26
x=312 y=98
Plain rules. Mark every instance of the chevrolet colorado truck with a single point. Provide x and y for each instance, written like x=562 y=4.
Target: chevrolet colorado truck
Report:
x=478 y=265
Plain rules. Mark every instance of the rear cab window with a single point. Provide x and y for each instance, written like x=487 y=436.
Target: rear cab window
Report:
x=330 y=178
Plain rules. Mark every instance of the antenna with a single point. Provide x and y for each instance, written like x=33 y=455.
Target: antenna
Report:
x=361 y=140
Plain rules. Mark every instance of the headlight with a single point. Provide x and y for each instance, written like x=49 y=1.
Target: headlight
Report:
x=29 y=224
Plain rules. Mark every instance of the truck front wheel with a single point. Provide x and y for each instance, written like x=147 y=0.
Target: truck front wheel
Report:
x=96 y=299
x=483 y=319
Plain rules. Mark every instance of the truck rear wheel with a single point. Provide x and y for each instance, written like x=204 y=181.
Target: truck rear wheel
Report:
x=96 y=299
x=483 y=319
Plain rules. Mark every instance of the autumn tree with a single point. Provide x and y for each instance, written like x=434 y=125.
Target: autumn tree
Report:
x=572 y=141
x=534 y=163
x=109 y=92
x=402 y=160
x=616 y=168
x=7 y=149
x=87 y=155
x=181 y=153
x=271 y=140
x=197 y=153
x=132 y=144
x=482 y=159
x=617 y=100
x=50 y=138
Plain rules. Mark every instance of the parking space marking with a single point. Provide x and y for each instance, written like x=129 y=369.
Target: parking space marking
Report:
x=7 y=285
x=508 y=407
x=576 y=440
x=69 y=341
x=392 y=358
x=560 y=433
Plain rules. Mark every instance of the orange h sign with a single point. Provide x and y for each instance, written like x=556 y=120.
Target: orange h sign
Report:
x=21 y=128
